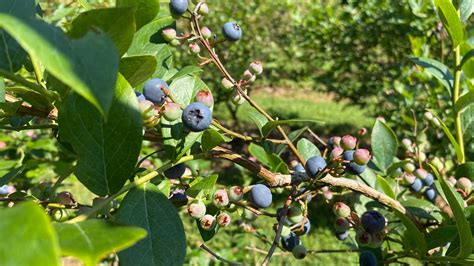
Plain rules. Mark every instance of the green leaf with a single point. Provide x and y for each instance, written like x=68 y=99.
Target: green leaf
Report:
x=437 y=69
x=465 y=170
x=2 y=90
x=412 y=237
x=450 y=18
x=464 y=101
x=466 y=9
x=467 y=121
x=210 y=139
x=30 y=239
x=307 y=149
x=117 y=23
x=107 y=149
x=384 y=145
x=165 y=187
x=273 y=161
x=206 y=235
x=450 y=136
x=258 y=119
x=165 y=244
x=385 y=186
x=463 y=226
x=12 y=56
x=269 y=126
x=188 y=70
x=137 y=69
x=201 y=183
x=146 y=10
x=292 y=136
x=176 y=138
x=440 y=236
x=88 y=65
x=92 y=240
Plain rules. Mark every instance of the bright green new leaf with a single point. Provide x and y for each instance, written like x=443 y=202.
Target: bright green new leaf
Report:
x=92 y=240
x=107 y=149
x=28 y=237
x=165 y=244
x=210 y=139
x=466 y=9
x=384 y=145
x=450 y=18
x=201 y=183
x=307 y=149
x=137 y=69
x=437 y=69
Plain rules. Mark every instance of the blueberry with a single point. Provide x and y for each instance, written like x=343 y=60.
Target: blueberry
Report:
x=290 y=242
x=416 y=186
x=298 y=168
x=223 y=219
x=220 y=198
x=171 y=111
x=294 y=214
x=140 y=96
x=261 y=196
x=4 y=190
x=208 y=222
x=178 y=7
x=348 y=155
x=363 y=238
x=236 y=193
x=429 y=179
x=342 y=235
x=348 y=142
x=362 y=156
x=372 y=221
x=64 y=198
x=197 y=117
x=464 y=184
x=315 y=165
x=430 y=194
x=299 y=252
x=355 y=168
x=197 y=210
x=341 y=210
x=334 y=142
x=367 y=258
x=153 y=92
x=341 y=225
x=179 y=198
x=176 y=171
x=232 y=31
x=306 y=228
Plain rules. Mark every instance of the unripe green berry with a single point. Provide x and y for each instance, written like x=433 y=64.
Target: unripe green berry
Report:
x=169 y=34
x=285 y=231
x=236 y=193
x=171 y=111
x=227 y=85
x=409 y=167
x=175 y=42
x=341 y=210
x=421 y=173
x=203 y=9
x=362 y=156
x=348 y=142
x=407 y=144
x=237 y=98
x=428 y=116
x=194 y=48
x=208 y=222
x=299 y=252
x=223 y=219
x=206 y=32
x=407 y=179
x=436 y=162
x=464 y=184
x=256 y=67
x=147 y=109
x=197 y=209
x=248 y=76
x=220 y=198
x=295 y=215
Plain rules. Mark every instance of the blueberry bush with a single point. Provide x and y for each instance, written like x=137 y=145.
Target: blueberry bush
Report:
x=111 y=151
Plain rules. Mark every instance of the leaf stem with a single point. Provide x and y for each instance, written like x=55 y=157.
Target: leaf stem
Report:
x=15 y=78
x=456 y=92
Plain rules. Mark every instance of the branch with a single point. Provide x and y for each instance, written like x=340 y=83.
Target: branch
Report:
x=217 y=256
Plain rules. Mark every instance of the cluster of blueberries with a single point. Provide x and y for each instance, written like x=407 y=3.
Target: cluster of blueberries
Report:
x=370 y=229
x=419 y=181
x=153 y=103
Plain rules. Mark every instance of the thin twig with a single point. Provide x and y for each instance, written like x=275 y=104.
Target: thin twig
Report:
x=217 y=256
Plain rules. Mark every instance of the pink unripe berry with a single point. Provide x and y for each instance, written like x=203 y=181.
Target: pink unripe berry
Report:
x=421 y=173
x=197 y=209
x=223 y=219
x=208 y=222
x=194 y=48
x=362 y=156
x=248 y=76
x=205 y=97
x=464 y=184
x=3 y=144
x=363 y=238
x=203 y=9
x=362 y=131
x=341 y=210
x=408 y=179
x=220 y=198
x=341 y=225
x=65 y=198
x=147 y=109
x=348 y=142
x=256 y=67
x=236 y=193
x=227 y=84
x=336 y=153
x=206 y=32
x=169 y=34
x=407 y=144
x=171 y=111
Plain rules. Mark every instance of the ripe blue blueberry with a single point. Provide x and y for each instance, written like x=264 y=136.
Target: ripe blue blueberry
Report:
x=355 y=168
x=372 y=221
x=260 y=196
x=140 y=96
x=342 y=235
x=348 y=155
x=416 y=186
x=179 y=198
x=315 y=165
x=176 y=171
x=299 y=252
x=197 y=117
x=367 y=258
x=232 y=31
x=430 y=194
x=290 y=242
x=153 y=92
x=178 y=7
x=298 y=168
x=429 y=179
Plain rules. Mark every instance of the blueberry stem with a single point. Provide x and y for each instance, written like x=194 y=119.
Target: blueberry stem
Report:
x=217 y=256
